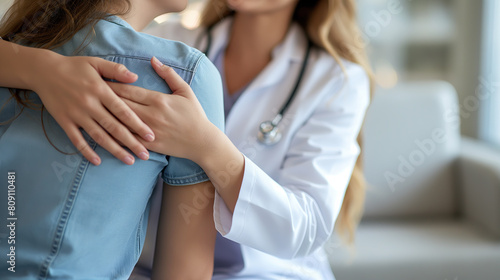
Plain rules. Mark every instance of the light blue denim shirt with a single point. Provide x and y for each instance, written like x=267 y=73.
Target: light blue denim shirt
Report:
x=73 y=220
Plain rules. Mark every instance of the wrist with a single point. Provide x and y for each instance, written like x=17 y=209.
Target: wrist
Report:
x=213 y=141
x=220 y=154
x=225 y=166
x=36 y=62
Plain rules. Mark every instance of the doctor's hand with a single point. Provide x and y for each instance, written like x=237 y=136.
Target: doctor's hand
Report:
x=178 y=120
x=75 y=94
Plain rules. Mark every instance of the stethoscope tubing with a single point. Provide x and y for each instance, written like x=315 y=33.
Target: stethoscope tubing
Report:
x=273 y=136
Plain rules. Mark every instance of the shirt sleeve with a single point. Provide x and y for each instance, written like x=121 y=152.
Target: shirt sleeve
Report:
x=207 y=87
x=294 y=214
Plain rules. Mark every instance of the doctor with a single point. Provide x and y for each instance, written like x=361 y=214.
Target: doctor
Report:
x=294 y=110
x=284 y=169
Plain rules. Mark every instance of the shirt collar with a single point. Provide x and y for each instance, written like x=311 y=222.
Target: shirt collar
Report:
x=118 y=21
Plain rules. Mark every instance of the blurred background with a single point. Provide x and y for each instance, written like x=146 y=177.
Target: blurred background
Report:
x=432 y=142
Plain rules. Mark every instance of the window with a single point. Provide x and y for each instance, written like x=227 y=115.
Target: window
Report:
x=490 y=73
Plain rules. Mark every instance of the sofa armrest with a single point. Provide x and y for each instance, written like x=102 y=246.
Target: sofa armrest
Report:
x=479 y=178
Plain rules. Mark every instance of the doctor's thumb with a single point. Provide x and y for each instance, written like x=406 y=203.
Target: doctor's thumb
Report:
x=174 y=81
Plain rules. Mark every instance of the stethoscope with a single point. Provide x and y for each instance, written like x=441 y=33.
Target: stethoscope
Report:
x=269 y=132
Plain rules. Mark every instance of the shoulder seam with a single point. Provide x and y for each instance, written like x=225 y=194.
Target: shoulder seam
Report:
x=195 y=70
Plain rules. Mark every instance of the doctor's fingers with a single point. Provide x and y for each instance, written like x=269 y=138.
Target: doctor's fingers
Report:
x=142 y=110
x=161 y=120
x=153 y=115
x=120 y=132
x=174 y=81
x=126 y=115
x=137 y=94
x=112 y=70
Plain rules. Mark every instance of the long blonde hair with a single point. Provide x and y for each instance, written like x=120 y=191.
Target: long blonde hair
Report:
x=330 y=25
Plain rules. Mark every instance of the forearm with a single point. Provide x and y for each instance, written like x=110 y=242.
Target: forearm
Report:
x=19 y=64
x=224 y=165
x=186 y=234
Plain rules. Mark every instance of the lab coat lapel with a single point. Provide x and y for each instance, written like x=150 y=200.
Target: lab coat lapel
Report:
x=292 y=50
x=220 y=37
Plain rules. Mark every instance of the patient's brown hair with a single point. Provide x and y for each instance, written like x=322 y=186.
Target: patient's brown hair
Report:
x=51 y=23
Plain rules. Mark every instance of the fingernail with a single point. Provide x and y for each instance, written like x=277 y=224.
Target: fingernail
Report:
x=96 y=161
x=130 y=74
x=149 y=137
x=144 y=156
x=129 y=160
x=157 y=62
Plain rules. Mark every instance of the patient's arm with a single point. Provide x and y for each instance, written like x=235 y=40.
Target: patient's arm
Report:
x=186 y=233
x=14 y=70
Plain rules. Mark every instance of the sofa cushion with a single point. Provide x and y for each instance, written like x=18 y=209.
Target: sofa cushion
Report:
x=411 y=139
x=442 y=249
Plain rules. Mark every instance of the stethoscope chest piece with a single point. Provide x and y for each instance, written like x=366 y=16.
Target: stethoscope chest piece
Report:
x=269 y=133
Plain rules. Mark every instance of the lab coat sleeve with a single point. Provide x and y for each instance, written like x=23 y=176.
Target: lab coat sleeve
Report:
x=294 y=215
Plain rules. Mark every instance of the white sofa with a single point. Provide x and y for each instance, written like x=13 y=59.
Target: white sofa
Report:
x=433 y=206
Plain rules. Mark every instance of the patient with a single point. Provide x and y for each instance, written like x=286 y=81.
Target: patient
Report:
x=71 y=219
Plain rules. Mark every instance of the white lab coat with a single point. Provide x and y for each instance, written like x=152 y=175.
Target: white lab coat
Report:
x=291 y=192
